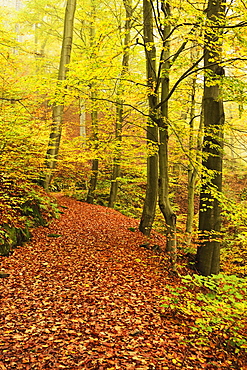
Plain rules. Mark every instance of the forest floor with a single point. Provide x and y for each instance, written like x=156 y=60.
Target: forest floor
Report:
x=84 y=294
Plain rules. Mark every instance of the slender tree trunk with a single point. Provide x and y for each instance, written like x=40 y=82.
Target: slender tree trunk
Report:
x=164 y=202
x=39 y=52
x=94 y=115
x=95 y=161
x=195 y=148
x=57 y=111
x=119 y=108
x=192 y=173
x=193 y=170
x=83 y=132
x=117 y=157
x=150 y=202
x=93 y=181
x=208 y=253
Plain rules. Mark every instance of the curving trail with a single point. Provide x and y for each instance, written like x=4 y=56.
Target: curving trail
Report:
x=88 y=297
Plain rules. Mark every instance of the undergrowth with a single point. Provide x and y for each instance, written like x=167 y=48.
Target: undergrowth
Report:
x=216 y=306
x=21 y=202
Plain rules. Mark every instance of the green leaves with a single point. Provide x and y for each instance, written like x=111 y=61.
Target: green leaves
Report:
x=217 y=304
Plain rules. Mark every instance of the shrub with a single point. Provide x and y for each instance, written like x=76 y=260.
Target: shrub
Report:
x=216 y=305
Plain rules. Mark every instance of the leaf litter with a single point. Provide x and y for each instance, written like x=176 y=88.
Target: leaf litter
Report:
x=90 y=299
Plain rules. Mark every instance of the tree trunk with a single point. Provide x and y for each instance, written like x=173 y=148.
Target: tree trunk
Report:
x=164 y=202
x=94 y=115
x=195 y=147
x=95 y=161
x=150 y=202
x=117 y=158
x=93 y=181
x=193 y=168
x=83 y=132
x=192 y=173
x=119 y=108
x=208 y=252
x=57 y=111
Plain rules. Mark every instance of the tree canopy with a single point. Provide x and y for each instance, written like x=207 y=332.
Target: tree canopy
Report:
x=135 y=92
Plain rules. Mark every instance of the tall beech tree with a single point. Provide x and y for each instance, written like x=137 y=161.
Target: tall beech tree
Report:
x=150 y=202
x=58 y=107
x=120 y=105
x=208 y=253
x=194 y=149
x=164 y=201
x=157 y=129
x=94 y=110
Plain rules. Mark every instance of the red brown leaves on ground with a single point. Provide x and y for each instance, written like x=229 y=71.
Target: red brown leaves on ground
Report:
x=83 y=294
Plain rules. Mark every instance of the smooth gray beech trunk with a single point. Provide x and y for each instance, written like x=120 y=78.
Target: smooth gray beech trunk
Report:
x=117 y=155
x=95 y=161
x=150 y=202
x=58 y=108
x=94 y=115
x=119 y=107
x=208 y=252
x=192 y=179
x=192 y=173
x=195 y=147
x=83 y=132
x=164 y=202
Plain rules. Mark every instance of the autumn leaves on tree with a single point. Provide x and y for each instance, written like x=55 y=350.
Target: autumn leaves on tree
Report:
x=149 y=78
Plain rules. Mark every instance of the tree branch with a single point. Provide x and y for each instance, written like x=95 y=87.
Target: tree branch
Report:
x=190 y=71
x=12 y=100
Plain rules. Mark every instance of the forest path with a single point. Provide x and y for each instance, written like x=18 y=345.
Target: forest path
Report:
x=89 y=298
